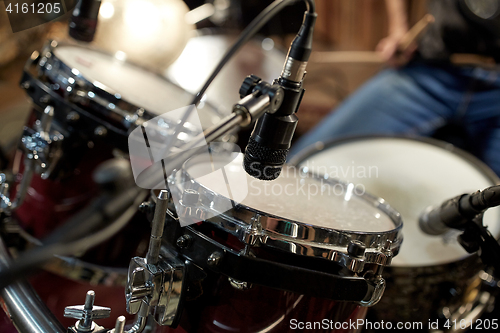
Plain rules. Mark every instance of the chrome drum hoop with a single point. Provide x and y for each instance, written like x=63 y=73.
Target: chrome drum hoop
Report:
x=83 y=91
x=259 y=228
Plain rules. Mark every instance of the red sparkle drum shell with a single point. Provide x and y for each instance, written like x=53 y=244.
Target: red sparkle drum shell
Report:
x=261 y=309
x=432 y=277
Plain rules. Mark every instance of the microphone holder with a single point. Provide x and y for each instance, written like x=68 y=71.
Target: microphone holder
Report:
x=257 y=98
x=477 y=238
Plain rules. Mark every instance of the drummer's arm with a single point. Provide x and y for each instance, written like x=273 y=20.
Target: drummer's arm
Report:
x=398 y=26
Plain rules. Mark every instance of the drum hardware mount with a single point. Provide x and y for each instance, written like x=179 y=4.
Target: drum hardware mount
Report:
x=86 y=314
x=42 y=149
x=42 y=145
x=263 y=98
x=476 y=238
x=156 y=283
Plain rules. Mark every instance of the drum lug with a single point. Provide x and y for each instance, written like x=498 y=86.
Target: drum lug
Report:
x=189 y=207
x=253 y=233
x=378 y=286
x=214 y=259
x=183 y=241
x=239 y=285
x=5 y=203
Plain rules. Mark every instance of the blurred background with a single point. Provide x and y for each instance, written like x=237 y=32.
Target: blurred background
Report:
x=343 y=25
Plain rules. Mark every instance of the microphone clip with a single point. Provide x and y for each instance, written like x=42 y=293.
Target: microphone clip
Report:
x=477 y=238
x=257 y=98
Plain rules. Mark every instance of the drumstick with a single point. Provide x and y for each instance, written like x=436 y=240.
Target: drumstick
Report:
x=370 y=56
x=414 y=33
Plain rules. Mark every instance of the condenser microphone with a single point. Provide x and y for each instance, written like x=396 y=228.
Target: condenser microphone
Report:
x=272 y=135
x=83 y=21
x=454 y=213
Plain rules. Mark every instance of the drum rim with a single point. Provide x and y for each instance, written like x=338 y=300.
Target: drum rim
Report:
x=303 y=238
x=133 y=114
x=481 y=166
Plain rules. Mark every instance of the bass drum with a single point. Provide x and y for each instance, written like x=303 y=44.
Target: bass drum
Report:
x=432 y=278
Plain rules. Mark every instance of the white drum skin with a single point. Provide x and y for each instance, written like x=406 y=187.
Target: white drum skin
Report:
x=298 y=197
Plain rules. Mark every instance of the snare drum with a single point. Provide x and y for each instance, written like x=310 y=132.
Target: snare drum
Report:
x=432 y=277
x=301 y=251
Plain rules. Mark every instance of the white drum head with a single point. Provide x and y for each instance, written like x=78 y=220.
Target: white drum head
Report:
x=134 y=84
x=294 y=197
x=410 y=175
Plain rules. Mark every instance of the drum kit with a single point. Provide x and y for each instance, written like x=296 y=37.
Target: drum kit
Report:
x=311 y=249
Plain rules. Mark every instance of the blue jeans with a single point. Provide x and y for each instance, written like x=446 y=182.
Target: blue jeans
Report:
x=416 y=101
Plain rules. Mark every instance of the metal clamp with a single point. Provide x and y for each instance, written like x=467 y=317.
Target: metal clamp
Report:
x=160 y=286
x=42 y=148
x=41 y=144
x=377 y=292
x=156 y=282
